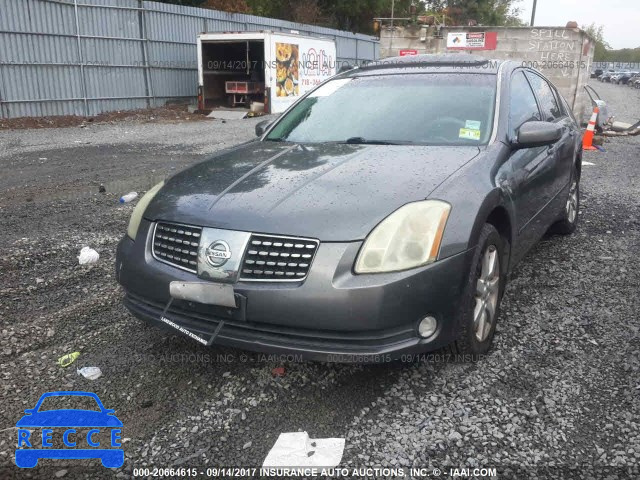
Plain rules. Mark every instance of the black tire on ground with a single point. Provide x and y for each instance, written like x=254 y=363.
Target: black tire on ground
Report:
x=467 y=343
x=568 y=223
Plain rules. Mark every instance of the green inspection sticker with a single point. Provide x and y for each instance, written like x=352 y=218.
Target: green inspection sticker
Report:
x=469 y=134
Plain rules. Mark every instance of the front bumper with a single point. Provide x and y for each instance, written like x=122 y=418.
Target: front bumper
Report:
x=332 y=315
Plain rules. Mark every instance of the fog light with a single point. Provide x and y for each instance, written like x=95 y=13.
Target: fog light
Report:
x=427 y=327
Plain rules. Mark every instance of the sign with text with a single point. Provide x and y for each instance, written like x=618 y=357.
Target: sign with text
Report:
x=408 y=51
x=472 y=40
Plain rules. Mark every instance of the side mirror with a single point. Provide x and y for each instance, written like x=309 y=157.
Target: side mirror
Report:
x=262 y=126
x=537 y=134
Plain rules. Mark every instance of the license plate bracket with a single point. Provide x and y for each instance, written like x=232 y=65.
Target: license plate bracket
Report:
x=204 y=292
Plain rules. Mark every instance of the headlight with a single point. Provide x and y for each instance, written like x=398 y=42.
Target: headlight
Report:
x=138 y=212
x=408 y=238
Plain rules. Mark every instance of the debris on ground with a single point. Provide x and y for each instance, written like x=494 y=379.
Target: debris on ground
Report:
x=88 y=255
x=91 y=373
x=278 y=372
x=68 y=359
x=237 y=114
x=128 y=197
x=296 y=448
x=167 y=113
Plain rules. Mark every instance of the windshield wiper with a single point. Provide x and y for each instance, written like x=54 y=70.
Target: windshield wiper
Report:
x=364 y=141
x=275 y=139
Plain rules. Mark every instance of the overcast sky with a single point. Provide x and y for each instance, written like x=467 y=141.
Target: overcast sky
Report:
x=621 y=18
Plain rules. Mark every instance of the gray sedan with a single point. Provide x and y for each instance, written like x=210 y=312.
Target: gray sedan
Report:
x=378 y=217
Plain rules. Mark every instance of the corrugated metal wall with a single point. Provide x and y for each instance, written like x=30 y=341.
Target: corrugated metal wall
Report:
x=83 y=57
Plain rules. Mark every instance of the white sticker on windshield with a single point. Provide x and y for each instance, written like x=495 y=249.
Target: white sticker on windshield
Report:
x=472 y=124
x=330 y=87
x=469 y=134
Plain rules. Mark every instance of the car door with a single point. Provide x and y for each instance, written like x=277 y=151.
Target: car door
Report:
x=529 y=167
x=561 y=153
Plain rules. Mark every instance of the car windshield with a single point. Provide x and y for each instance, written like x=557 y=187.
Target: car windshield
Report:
x=66 y=402
x=428 y=109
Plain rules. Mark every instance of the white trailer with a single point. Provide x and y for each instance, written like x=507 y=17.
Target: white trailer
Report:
x=237 y=69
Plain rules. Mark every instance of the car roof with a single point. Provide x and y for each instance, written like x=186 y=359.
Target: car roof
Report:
x=431 y=63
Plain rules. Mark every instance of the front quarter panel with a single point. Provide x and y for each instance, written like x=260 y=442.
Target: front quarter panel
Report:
x=474 y=192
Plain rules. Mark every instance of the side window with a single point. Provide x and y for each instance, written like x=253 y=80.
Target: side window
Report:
x=548 y=103
x=523 y=106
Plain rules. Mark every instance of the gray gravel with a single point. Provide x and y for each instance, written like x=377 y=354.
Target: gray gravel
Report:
x=557 y=397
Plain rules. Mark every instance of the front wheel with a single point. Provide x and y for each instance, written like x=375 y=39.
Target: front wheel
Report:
x=483 y=293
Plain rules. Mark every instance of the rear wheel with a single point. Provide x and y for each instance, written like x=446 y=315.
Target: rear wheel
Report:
x=483 y=293
x=567 y=224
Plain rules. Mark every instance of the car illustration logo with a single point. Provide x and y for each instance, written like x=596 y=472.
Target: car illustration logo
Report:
x=218 y=253
x=69 y=433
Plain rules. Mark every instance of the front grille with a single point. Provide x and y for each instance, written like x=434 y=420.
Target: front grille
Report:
x=274 y=258
x=177 y=245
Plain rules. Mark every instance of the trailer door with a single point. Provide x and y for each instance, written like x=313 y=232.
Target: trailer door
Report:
x=298 y=64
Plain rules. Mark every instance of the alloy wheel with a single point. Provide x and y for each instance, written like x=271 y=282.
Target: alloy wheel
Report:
x=572 y=202
x=487 y=292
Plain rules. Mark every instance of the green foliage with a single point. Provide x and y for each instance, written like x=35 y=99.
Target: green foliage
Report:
x=626 y=55
x=596 y=32
x=188 y=3
x=357 y=15
x=603 y=51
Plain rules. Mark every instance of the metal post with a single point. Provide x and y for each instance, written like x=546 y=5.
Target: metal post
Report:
x=393 y=2
x=533 y=12
x=2 y=99
x=145 y=58
x=81 y=60
x=356 y=62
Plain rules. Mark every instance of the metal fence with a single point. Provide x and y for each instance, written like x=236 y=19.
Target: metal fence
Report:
x=84 y=57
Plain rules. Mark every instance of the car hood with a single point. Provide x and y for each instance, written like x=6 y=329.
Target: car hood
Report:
x=69 y=418
x=333 y=192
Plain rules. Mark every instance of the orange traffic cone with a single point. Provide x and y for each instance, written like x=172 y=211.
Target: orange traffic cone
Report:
x=587 y=140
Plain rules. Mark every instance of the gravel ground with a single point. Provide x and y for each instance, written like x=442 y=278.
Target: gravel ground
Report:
x=557 y=397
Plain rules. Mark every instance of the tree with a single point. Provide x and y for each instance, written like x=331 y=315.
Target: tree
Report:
x=600 y=53
x=483 y=12
x=188 y=3
x=233 y=6
x=358 y=15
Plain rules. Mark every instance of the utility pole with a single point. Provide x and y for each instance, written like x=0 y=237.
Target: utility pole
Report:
x=533 y=12
x=393 y=2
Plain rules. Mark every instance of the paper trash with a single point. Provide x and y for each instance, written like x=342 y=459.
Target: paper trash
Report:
x=92 y=373
x=296 y=449
x=88 y=255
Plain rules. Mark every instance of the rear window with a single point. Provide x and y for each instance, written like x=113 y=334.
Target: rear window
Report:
x=432 y=109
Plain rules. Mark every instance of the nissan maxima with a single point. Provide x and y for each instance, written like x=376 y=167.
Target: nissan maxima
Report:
x=379 y=216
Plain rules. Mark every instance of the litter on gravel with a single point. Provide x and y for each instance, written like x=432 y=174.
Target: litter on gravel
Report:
x=128 y=197
x=91 y=373
x=296 y=449
x=68 y=359
x=88 y=255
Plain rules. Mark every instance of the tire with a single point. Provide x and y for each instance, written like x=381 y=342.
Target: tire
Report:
x=470 y=340
x=569 y=221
